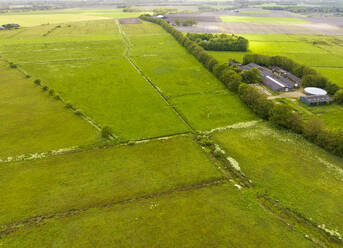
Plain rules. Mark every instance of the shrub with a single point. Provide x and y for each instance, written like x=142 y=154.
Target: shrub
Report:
x=78 y=112
x=37 y=81
x=45 y=88
x=253 y=76
x=106 y=132
x=69 y=105
x=57 y=97
x=27 y=76
x=339 y=97
x=51 y=92
x=12 y=65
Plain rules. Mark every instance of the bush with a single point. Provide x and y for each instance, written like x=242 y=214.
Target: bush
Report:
x=37 y=82
x=45 y=88
x=78 y=112
x=51 y=92
x=106 y=132
x=13 y=66
x=339 y=97
x=57 y=97
x=253 y=76
x=27 y=76
x=69 y=105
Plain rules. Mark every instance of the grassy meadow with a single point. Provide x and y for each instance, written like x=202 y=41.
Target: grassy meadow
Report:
x=217 y=216
x=290 y=169
x=32 y=121
x=158 y=186
x=97 y=177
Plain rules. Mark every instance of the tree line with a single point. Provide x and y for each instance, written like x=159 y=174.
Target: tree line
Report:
x=220 y=42
x=281 y=115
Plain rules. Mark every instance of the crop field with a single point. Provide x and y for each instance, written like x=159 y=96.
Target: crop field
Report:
x=157 y=181
x=289 y=176
x=251 y=19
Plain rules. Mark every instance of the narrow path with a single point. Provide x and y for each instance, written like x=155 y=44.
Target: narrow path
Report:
x=146 y=78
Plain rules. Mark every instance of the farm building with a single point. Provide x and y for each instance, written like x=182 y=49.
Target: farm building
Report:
x=286 y=74
x=269 y=79
x=314 y=100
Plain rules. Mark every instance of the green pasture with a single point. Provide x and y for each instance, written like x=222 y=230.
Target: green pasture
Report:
x=32 y=121
x=330 y=114
x=216 y=216
x=253 y=19
x=112 y=93
x=176 y=76
x=212 y=110
x=34 y=20
x=292 y=170
x=85 y=28
x=151 y=46
x=335 y=75
x=100 y=176
x=147 y=28
x=68 y=50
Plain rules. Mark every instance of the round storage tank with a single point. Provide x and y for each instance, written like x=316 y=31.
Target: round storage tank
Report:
x=313 y=91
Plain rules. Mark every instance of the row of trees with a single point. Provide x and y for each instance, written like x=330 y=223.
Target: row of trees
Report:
x=220 y=42
x=281 y=115
x=310 y=77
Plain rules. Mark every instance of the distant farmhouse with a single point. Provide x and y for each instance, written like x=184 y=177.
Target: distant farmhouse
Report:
x=9 y=26
x=276 y=79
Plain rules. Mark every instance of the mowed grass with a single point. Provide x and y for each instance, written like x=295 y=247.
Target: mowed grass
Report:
x=292 y=170
x=100 y=176
x=253 y=19
x=33 y=121
x=112 y=93
x=217 y=216
x=212 y=110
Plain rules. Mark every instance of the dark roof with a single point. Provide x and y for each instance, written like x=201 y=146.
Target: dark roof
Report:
x=286 y=74
x=317 y=99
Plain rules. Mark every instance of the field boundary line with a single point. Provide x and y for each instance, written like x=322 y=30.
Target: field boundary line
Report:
x=147 y=79
x=7 y=229
x=71 y=60
x=246 y=124
x=77 y=149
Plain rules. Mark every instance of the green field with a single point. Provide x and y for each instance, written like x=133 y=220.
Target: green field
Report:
x=32 y=121
x=103 y=176
x=159 y=184
x=254 y=19
x=218 y=216
x=290 y=169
